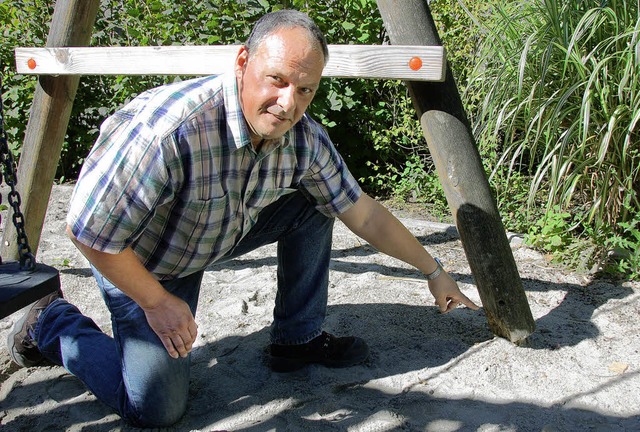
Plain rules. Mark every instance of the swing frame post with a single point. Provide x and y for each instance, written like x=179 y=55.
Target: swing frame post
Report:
x=457 y=160
x=71 y=25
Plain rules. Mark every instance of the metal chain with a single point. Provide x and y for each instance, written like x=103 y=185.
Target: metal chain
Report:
x=7 y=163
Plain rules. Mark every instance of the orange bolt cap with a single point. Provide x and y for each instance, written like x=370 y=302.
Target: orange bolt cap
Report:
x=415 y=63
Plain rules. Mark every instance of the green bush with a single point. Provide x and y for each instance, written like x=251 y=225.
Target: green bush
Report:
x=349 y=108
x=624 y=250
x=20 y=26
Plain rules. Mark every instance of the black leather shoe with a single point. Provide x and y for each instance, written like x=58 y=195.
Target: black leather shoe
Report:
x=326 y=349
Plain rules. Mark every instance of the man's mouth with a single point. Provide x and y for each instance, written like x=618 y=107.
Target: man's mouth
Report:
x=278 y=112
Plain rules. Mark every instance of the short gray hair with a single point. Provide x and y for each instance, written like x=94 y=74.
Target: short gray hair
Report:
x=285 y=19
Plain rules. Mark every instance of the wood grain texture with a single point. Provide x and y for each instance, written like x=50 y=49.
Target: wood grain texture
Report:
x=345 y=61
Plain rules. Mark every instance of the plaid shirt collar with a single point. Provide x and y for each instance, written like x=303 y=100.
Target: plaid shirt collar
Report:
x=236 y=121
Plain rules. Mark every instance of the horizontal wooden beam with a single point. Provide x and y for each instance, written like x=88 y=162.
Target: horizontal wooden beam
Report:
x=413 y=63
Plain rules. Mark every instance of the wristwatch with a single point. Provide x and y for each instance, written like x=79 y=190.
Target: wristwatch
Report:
x=434 y=274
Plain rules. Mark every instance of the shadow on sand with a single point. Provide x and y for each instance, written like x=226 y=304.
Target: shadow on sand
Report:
x=317 y=398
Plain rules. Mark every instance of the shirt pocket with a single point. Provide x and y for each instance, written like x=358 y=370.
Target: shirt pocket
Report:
x=204 y=220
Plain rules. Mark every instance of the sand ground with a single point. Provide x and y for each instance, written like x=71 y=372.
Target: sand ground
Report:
x=580 y=370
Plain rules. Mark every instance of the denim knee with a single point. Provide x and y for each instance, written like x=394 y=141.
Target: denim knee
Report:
x=153 y=413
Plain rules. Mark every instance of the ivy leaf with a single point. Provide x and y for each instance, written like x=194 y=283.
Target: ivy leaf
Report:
x=348 y=26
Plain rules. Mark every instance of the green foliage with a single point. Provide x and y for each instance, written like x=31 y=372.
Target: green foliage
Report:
x=552 y=232
x=511 y=194
x=623 y=249
x=457 y=27
x=17 y=91
x=558 y=90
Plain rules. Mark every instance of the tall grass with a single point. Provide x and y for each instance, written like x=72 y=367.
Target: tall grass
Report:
x=560 y=88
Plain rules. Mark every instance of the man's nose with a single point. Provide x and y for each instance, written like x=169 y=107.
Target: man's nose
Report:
x=286 y=98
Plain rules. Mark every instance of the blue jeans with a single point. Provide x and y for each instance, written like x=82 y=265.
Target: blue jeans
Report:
x=132 y=372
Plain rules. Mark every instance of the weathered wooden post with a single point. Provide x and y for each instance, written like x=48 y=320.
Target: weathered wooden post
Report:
x=71 y=25
x=451 y=143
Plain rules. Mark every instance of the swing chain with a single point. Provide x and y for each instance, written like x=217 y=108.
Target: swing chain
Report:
x=7 y=164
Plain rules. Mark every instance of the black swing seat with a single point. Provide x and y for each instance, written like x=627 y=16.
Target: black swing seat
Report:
x=19 y=288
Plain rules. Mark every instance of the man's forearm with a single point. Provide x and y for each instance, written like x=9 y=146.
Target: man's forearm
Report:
x=125 y=271
x=375 y=224
x=371 y=221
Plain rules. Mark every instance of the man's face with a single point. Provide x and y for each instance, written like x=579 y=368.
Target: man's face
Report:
x=278 y=81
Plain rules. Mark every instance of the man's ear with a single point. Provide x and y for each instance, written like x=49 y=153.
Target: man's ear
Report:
x=241 y=61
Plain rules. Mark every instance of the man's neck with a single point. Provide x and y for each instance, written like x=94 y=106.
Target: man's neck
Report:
x=257 y=145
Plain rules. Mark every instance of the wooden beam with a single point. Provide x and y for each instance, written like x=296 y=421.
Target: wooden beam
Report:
x=459 y=167
x=71 y=25
x=345 y=61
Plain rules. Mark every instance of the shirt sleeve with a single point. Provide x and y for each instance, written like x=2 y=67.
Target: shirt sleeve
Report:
x=123 y=180
x=330 y=183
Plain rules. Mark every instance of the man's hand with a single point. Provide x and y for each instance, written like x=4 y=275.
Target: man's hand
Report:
x=370 y=220
x=172 y=320
x=447 y=294
x=169 y=316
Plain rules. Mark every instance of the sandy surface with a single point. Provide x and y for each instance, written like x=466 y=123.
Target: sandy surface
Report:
x=427 y=372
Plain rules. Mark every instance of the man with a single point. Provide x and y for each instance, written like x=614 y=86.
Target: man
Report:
x=203 y=171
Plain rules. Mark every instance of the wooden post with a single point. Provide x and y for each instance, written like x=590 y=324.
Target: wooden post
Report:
x=457 y=161
x=71 y=25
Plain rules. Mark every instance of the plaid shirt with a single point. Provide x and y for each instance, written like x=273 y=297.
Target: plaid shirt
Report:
x=174 y=176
